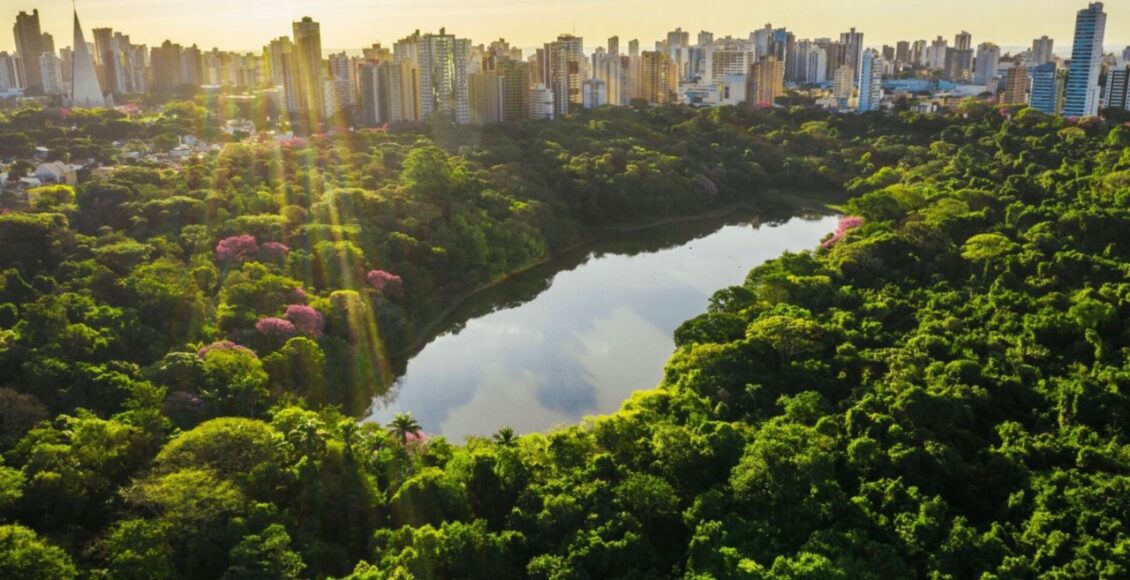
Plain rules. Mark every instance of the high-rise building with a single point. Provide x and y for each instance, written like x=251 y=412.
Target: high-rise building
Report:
x=659 y=80
x=633 y=47
x=608 y=69
x=372 y=84
x=540 y=102
x=1015 y=85
x=51 y=70
x=102 y=56
x=705 y=38
x=959 y=59
x=1117 y=88
x=614 y=45
x=9 y=72
x=918 y=53
x=727 y=58
x=766 y=82
x=963 y=41
x=515 y=90
x=29 y=47
x=441 y=61
x=305 y=103
x=871 y=82
x=563 y=72
x=988 y=61
x=165 y=60
x=343 y=84
x=936 y=54
x=843 y=85
x=1047 y=88
x=902 y=53
x=816 y=69
x=486 y=94
x=853 y=49
x=1082 y=96
x=1042 y=50
x=594 y=93
x=85 y=90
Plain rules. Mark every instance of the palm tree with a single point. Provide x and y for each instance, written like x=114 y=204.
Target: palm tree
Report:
x=505 y=437
x=349 y=430
x=402 y=425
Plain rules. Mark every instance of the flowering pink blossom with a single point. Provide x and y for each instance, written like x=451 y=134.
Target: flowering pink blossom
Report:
x=298 y=295
x=276 y=328
x=846 y=223
x=273 y=250
x=237 y=248
x=225 y=345
x=305 y=319
x=385 y=282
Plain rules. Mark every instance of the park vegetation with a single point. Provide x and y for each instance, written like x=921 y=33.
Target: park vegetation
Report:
x=937 y=390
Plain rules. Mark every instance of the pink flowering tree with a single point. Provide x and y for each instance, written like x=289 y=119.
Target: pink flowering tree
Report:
x=306 y=320
x=273 y=251
x=385 y=282
x=224 y=345
x=847 y=223
x=298 y=295
x=237 y=248
x=276 y=329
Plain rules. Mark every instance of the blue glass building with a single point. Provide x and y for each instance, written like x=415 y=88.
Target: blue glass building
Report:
x=1082 y=94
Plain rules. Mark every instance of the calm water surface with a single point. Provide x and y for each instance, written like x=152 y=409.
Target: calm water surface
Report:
x=577 y=336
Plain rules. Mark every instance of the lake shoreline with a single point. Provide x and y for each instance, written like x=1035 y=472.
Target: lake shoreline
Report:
x=778 y=201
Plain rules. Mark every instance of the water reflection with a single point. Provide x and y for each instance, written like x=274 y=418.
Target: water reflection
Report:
x=576 y=337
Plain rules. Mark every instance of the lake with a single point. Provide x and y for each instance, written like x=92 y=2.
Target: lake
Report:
x=576 y=336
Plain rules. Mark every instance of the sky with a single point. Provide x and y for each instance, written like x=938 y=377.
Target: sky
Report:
x=353 y=24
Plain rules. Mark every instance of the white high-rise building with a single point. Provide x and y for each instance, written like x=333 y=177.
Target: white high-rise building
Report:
x=988 y=61
x=51 y=67
x=730 y=58
x=871 y=82
x=440 y=62
x=1042 y=50
x=85 y=90
x=541 y=102
x=563 y=72
x=9 y=72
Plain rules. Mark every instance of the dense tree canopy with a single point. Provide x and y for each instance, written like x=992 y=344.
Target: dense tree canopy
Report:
x=939 y=390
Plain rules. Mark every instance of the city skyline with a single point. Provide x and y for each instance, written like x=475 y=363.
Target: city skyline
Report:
x=352 y=24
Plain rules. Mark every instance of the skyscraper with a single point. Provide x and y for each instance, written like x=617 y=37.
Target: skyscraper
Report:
x=1118 y=88
x=766 y=82
x=51 y=69
x=85 y=90
x=1082 y=96
x=9 y=71
x=1015 y=85
x=658 y=78
x=1047 y=89
x=988 y=61
x=29 y=46
x=563 y=72
x=307 y=99
x=959 y=59
x=853 y=51
x=871 y=82
x=902 y=53
x=1042 y=50
x=442 y=63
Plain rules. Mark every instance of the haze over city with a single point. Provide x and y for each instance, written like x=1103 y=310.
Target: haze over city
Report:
x=349 y=24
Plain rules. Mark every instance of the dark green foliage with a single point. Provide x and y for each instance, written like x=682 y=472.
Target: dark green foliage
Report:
x=941 y=392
